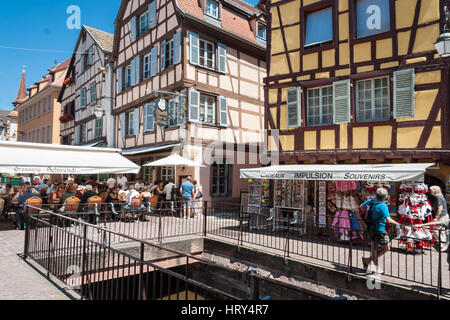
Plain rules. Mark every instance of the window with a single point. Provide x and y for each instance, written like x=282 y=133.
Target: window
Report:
x=212 y=9
x=220 y=180
x=173 y=112
x=167 y=173
x=320 y=106
x=38 y=139
x=43 y=135
x=207 y=109
x=128 y=77
x=372 y=99
x=49 y=134
x=93 y=93
x=83 y=133
x=146 y=67
x=372 y=17
x=34 y=111
x=319 y=27
x=89 y=57
x=39 y=109
x=169 y=53
x=147 y=172
x=207 y=57
x=149 y=117
x=143 y=23
x=293 y=107
x=130 y=117
x=261 y=31
x=98 y=127
x=49 y=103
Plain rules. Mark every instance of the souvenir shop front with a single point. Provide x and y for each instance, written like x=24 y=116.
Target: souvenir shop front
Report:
x=328 y=197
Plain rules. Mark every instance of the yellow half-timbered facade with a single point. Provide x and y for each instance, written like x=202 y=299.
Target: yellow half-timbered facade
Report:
x=358 y=81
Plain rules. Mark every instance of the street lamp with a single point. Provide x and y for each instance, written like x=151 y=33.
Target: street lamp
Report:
x=99 y=112
x=443 y=42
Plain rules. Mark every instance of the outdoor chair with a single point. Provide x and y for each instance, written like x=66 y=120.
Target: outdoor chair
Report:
x=94 y=203
x=137 y=206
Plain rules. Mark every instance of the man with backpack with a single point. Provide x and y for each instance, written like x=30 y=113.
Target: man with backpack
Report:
x=376 y=218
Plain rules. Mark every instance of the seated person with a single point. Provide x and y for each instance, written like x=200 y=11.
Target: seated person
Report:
x=20 y=221
x=128 y=197
x=89 y=192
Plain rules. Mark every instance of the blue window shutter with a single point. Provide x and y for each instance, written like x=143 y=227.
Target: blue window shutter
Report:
x=133 y=72
x=83 y=98
x=119 y=80
x=152 y=14
x=194 y=47
x=177 y=48
x=194 y=106
x=223 y=114
x=133 y=29
x=138 y=70
x=222 y=49
x=77 y=135
x=179 y=112
x=123 y=126
x=154 y=62
x=404 y=100
x=136 y=121
x=163 y=55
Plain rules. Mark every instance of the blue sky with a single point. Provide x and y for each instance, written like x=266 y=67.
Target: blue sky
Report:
x=41 y=25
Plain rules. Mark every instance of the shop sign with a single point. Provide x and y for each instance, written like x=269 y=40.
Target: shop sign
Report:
x=161 y=113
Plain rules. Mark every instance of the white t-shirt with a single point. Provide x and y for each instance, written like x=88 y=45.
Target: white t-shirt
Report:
x=111 y=183
x=139 y=186
x=130 y=195
x=168 y=189
x=122 y=181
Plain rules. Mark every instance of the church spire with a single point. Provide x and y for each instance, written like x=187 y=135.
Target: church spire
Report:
x=22 y=94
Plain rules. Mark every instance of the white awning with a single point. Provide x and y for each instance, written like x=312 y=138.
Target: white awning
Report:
x=173 y=160
x=360 y=172
x=149 y=149
x=33 y=158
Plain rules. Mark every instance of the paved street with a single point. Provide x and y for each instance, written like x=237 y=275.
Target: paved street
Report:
x=18 y=279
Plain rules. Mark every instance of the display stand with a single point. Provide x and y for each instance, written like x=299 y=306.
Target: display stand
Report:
x=289 y=211
x=258 y=202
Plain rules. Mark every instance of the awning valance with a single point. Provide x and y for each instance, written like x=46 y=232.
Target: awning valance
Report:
x=33 y=158
x=360 y=172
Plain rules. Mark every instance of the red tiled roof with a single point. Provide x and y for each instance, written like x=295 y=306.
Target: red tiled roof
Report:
x=231 y=22
x=22 y=94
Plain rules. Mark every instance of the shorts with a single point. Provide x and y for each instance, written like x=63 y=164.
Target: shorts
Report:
x=444 y=221
x=380 y=237
x=187 y=202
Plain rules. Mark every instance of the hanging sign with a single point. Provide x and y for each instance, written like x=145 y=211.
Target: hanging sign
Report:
x=161 y=113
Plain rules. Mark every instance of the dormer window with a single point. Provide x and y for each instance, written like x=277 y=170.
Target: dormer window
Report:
x=261 y=31
x=212 y=9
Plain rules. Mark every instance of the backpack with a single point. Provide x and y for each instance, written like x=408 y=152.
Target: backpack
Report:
x=368 y=218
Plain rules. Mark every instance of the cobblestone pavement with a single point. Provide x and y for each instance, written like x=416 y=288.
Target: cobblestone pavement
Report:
x=18 y=279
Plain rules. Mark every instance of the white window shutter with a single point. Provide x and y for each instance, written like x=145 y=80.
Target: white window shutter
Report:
x=83 y=98
x=222 y=49
x=133 y=29
x=154 y=62
x=177 y=48
x=77 y=135
x=404 y=101
x=149 y=117
x=136 y=121
x=123 y=126
x=341 y=99
x=294 y=119
x=223 y=114
x=194 y=106
x=163 y=55
x=152 y=14
x=194 y=47
x=119 y=80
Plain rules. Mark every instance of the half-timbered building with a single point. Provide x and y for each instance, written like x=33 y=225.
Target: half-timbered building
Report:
x=87 y=90
x=359 y=81
x=189 y=74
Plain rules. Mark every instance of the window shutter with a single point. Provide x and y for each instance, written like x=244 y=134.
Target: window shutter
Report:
x=341 y=97
x=119 y=80
x=293 y=107
x=223 y=104
x=404 y=94
x=194 y=106
x=179 y=112
x=83 y=98
x=123 y=126
x=177 y=48
x=133 y=72
x=163 y=55
x=83 y=56
x=77 y=135
x=149 y=117
x=137 y=72
x=133 y=29
x=194 y=44
x=154 y=62
x=136 y=121
x=152 y=14
x=222 y=58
